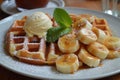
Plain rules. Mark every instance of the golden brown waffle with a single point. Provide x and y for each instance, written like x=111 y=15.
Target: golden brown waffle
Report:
x=36 y=50
x=29 y=49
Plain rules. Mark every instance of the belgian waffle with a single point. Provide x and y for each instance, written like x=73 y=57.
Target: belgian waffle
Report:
x=36 y=50
x=29 y=49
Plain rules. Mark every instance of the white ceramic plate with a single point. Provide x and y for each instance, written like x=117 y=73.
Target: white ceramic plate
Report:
x=108 y=68
x=9 y=6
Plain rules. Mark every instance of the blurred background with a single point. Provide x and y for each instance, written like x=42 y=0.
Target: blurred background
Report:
x=8 y=8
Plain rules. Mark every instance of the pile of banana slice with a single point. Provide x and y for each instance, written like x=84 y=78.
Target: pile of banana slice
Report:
x=86 y=45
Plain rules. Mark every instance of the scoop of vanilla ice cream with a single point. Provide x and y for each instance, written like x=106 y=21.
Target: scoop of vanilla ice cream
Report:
x=37 y=24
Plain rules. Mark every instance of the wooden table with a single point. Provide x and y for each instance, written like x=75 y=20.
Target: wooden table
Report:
x=5 y=74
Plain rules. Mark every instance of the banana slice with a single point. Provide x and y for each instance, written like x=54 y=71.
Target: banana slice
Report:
x=112 y=43
x=88 y=24
x=68 y=44
x=86 y=36
x=98 y=50
x=101 y=35
x=82 y=23
x=113 y=54
x=67 y=63
x=88 y=59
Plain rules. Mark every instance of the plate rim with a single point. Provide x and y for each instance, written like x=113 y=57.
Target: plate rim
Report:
x=29 y=75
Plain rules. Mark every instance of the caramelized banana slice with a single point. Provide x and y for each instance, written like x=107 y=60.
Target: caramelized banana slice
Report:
x=82 y=23
x=113 y=54
x=88 y=59
x=86 y=36
x=87 y=23
x=101 y=35
x=112 y=43
x=98 y=50
x=68 y=43
x=67 y=63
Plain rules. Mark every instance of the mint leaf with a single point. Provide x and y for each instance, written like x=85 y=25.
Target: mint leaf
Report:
x=54 y=33
x=61 y=16
x=64 y=21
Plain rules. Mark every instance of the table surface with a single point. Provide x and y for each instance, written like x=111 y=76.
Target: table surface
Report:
x=5 y=74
